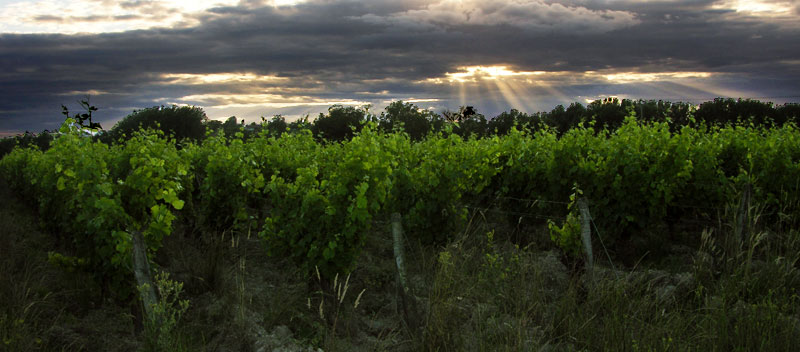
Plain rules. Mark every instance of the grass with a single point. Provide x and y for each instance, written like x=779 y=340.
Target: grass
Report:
x=749 y=302
x=28 y=309
x=479 y=292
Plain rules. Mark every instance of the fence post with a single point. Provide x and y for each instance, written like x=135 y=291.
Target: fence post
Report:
x=407 y=297
x=141 y=269
x=586 y=232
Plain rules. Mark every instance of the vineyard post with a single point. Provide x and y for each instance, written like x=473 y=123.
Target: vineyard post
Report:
x=406 y=295
x=744 y=212
x=586 y=232
x=141 y=269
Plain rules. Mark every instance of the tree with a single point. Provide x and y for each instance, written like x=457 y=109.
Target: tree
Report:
x=231 y=126
x=340 y=124
x=407 y=116
x=789 y=112
x=299 y=125
x=181 y=122
x=276 y=126
x=608 y=113
x=723 y=111
x=502 y=124
x=563 y=119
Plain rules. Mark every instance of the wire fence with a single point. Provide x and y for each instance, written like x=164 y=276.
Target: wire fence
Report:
x=704 y=215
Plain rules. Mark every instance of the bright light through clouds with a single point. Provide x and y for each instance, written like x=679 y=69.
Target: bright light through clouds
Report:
x=627 y=77
x=219 y=78
x=226 y=101
x=522 y=90
x=756 y=6
x=475 y=73
x=104 y=16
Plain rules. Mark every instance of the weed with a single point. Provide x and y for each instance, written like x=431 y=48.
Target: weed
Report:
x=335 y=296
x=161 y=329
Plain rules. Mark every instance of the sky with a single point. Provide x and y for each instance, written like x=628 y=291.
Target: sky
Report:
x=253 y=58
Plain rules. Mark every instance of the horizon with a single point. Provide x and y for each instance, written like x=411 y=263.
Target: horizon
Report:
x=255 y=58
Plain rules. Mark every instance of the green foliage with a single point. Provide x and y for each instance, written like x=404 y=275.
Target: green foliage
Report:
x=568 y=236
x=96 y=195
x=151 y=176
x=318 y=201
x=643 y=175
x=229 y=178
x=434 y=178
x=322 y=217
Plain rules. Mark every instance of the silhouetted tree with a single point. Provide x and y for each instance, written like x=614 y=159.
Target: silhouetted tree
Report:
x=299 y=125
x=469 y=122
x=181 y=122
x=413 y=120
x=722 y=111
x=502 y=124
x=789 y=112
x=214 y=126
x=608 y=113
x=275 y=126
x=231 y=126
x=563 y=119
x=341 y=123
x=27 y=139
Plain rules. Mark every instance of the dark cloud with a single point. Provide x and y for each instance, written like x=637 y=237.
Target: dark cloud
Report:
x=328 y=51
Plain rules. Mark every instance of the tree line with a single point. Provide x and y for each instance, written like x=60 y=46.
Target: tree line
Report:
x=343 y=122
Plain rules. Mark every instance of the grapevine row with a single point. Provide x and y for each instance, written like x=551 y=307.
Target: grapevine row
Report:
x=316 y=202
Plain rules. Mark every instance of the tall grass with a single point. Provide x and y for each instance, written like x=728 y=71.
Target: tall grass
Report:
x=491 y=296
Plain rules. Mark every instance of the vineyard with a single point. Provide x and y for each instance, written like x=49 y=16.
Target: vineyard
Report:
x=315 y=205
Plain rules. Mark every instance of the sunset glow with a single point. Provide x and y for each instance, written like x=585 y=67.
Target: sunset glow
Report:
x=756 y=6
x=626 y=77
x=476 y=73
x=187 y=78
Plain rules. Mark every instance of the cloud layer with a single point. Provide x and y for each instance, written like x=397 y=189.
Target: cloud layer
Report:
x=258 y=58
x=533 y=16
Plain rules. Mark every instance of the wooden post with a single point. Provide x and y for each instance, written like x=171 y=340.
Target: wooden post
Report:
x=141 y=269
x=406 y=298
x=586 y=232
x=744 y=214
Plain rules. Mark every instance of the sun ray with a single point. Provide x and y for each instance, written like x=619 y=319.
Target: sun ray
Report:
x=523 y=93
x=493 y=93
x=462 y=93
x=509 y=95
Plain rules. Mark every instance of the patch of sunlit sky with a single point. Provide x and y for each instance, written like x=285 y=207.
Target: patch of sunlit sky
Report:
x=756 y=6
x=103 y=16
x=218 y=78
x=475 y=74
